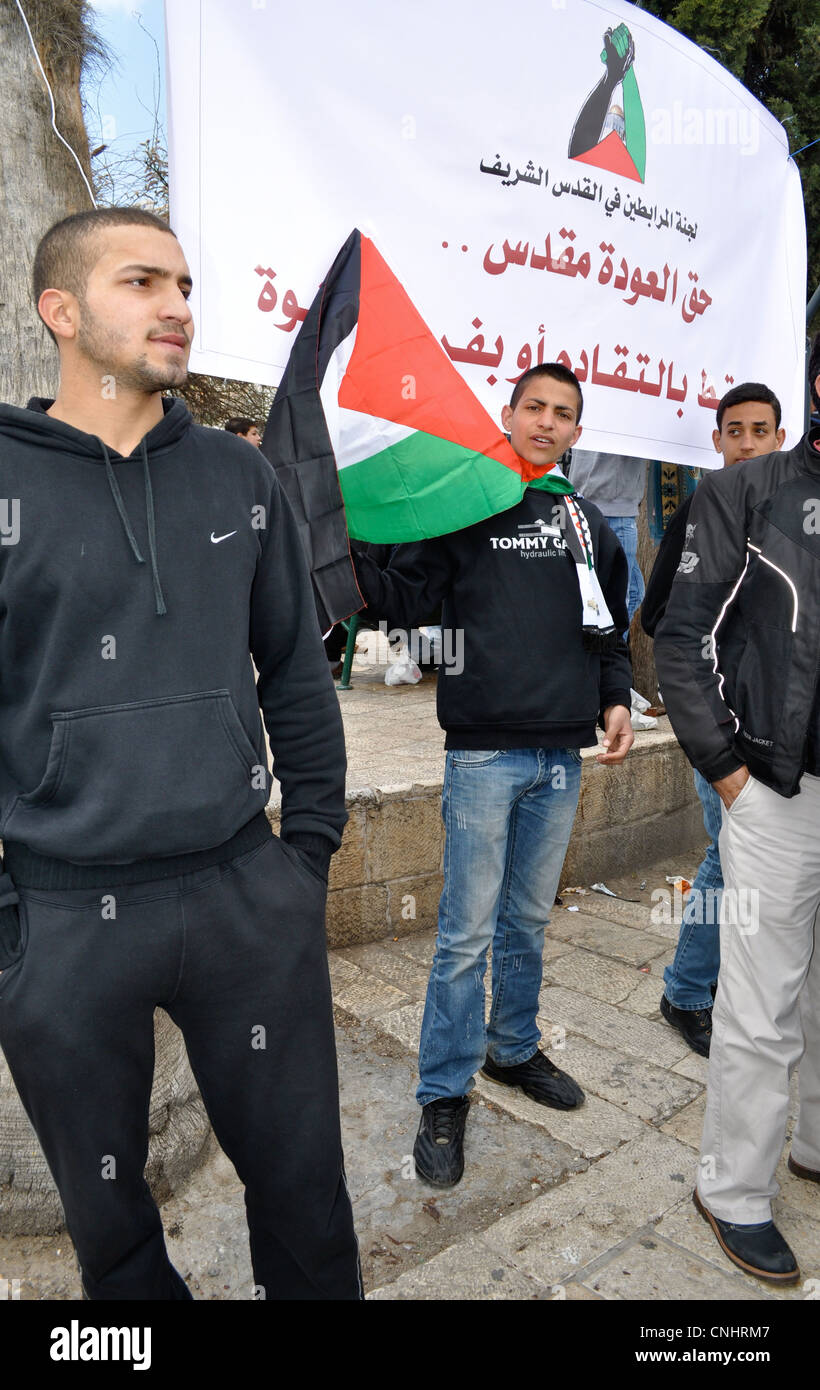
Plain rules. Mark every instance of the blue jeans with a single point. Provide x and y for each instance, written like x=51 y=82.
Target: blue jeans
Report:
x=626 y=529
x=697 y=959
x=508 y=817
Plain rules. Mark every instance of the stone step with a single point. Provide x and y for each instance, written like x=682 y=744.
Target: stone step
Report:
x=599 y=1014
x=617 y=1220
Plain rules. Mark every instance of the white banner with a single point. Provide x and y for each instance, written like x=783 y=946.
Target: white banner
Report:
x=574 y=181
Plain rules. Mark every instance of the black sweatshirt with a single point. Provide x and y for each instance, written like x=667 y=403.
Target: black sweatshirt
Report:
x=509 y=586
x=133 y=592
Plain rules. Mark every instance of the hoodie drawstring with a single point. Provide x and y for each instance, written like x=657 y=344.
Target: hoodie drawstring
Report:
x=152 y=531
x=149 y=509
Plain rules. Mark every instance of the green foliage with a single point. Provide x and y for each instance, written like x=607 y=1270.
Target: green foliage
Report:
x=773 y=48
x=725 y=28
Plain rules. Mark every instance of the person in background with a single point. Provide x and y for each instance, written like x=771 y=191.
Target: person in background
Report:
x=814 y=372
x=748 y=424
x=616 y=485
x=246 y=429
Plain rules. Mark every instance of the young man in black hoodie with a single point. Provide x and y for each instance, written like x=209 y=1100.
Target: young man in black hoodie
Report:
x=537 y=595
x=150 y=559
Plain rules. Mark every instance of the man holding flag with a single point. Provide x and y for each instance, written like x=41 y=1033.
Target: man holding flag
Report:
x=538 y=592
x=376 y=436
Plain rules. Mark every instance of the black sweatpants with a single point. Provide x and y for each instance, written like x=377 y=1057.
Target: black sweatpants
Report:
x=236 y=954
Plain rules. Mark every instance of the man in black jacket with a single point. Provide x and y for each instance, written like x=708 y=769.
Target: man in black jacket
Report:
x=150 y=559
x=535 y=598
x=737 y=659
x=748 y=425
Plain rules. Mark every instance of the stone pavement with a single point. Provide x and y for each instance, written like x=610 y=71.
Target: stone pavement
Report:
x=609 y=1214
x=590 y=1205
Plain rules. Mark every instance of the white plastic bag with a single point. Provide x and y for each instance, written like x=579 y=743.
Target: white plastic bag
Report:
x=641 y=720
x=402 y=671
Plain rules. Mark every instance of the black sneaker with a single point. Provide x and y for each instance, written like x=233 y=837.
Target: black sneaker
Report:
x=694 y=1025
x=809 y=1174
x=759 y=1250
x=439 y=1147
x=540 y=1080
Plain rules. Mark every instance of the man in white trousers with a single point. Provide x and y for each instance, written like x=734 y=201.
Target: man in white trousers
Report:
x=738 y=659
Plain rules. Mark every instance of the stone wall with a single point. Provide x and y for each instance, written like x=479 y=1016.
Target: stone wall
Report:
x=386 y=878
x=634 y=815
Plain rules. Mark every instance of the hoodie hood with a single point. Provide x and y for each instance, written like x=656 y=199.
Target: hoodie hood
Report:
x=34 y=426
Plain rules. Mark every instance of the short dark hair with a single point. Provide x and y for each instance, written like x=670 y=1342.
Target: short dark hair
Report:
x=66 y=254
x=558 y=372
x=814 y=370
x=749 y=391
x=239 y=425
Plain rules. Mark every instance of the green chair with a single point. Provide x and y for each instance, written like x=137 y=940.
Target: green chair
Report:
x=351 y=627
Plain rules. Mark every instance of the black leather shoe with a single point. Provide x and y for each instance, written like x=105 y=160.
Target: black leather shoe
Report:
x=759 y=1250
x=810 y=1174
x=694 y=1025
x=540 y=1080
x=439 y=1147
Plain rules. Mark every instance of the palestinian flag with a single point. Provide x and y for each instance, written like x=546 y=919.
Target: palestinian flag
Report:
x=371 y=412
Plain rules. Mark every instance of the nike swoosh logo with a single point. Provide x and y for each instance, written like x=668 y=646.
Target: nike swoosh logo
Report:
x=217 y=539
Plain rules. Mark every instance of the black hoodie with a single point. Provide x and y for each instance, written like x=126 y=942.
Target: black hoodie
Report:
x=133 y=592
x=510 y=599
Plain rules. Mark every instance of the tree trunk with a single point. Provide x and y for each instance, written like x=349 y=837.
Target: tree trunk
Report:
x=40 y=183
x=642 y=647
x=178 y=1125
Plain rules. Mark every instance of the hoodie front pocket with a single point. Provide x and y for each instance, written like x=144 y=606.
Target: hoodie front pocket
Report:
x=141 y=780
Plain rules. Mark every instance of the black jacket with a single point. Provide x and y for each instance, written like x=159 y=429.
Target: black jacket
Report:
x=738 y=649
x=510 y=587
